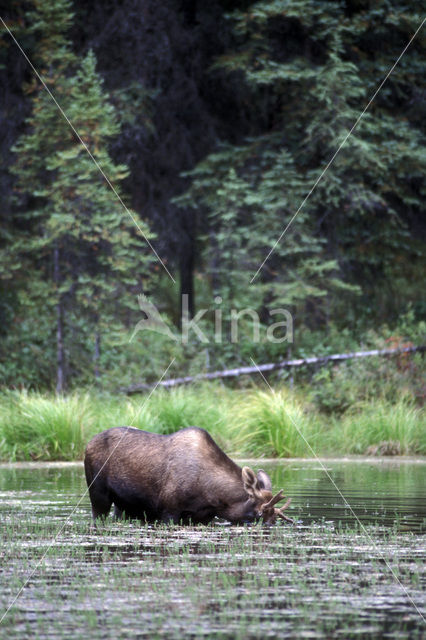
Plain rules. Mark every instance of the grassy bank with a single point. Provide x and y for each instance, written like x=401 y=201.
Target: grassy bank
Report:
x=246 y=423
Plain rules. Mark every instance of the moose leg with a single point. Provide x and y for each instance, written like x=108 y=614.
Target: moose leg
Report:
x=170 y=518
x=98 y=491
x=101 y=505
x=118 y=513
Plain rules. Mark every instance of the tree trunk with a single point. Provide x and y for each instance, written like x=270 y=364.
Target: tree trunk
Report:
x=60 y=352
x=186 y=266
x=273 y=366
x=96 y=355
x=214 y=265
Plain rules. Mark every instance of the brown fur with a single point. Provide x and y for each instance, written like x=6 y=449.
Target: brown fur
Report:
x=182 y=477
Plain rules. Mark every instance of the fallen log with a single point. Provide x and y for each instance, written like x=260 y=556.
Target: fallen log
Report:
x=273 y=366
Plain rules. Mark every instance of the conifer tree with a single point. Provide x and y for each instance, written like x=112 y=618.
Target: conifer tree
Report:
x=80 y=244
x=308 y=69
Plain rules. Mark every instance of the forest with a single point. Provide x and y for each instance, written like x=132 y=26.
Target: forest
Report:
x=212 y=215
x=217 y=158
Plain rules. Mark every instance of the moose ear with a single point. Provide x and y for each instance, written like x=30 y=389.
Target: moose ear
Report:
x=264 y=480
x=250 y=482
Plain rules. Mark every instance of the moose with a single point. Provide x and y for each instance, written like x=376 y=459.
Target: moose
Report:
x=184 y=477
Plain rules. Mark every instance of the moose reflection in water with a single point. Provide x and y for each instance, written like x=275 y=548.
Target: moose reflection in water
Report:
x=183 y=477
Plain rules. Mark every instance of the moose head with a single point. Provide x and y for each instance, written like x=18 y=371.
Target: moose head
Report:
x=259 y=489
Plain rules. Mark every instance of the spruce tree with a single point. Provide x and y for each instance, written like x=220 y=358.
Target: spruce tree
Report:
x=82 y=247
x=308 y=69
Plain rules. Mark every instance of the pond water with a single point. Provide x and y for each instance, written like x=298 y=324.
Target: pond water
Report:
x=324 y=577
x=383 y=491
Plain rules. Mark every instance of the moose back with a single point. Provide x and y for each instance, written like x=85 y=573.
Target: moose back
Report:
x=183 y=477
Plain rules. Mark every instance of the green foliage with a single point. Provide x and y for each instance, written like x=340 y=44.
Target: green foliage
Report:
x=35 y=427
x=334 y=388
x=86 y=258
x=376 y=422
x=277 y=423
x=290 y=79
x=185 y=407
x=273 y=424
x=93 y=227
x=310 y=73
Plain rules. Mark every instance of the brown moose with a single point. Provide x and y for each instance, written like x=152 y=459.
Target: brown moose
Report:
x=183 y=477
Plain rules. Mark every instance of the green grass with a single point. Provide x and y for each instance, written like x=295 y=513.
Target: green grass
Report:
x=274 y=424
x=42 y=427
x=277 y=423
x=368 y=424
x=45 y=427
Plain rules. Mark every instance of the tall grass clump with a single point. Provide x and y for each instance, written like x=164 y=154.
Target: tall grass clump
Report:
x=273 y=423
x=166 y=411
x=372 y=423
x=37 y=427
x=204 y=406
x=41 y=427
x=247 y=423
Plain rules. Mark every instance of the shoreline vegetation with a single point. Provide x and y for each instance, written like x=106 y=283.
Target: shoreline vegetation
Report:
x=281 y=423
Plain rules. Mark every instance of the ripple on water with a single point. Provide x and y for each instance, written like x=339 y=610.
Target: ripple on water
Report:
x=317 y=579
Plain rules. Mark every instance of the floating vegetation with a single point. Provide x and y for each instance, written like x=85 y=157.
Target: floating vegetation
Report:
x=315 y=579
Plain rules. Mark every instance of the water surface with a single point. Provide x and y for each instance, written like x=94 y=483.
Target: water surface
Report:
x=380 y=491
x=324 y=577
